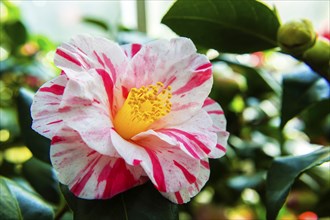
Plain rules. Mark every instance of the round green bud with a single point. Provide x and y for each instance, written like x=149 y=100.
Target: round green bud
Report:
x=296 y=36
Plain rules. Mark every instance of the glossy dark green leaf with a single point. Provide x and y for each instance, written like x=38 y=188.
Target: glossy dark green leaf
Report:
x=38 y=144
x=42 y=178
x=229 y=26
x=16 y=32
x=31 y=207
x=8 y=203
x=300 y=91
x=283 y=172
x=96 y=22
x=142 y=202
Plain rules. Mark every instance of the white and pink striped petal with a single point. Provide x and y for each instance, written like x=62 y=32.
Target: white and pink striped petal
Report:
x=216 y=113
x=195 y=137
x=167 y=166
x=175 y=63
x=89 y=174
x=184 y=195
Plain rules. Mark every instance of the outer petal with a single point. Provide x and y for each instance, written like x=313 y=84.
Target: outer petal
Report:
x=216 y=113
x=184 y=195
x=168 y=167
x=76 y=103
x=86 y=52
x=107 y=58
x=89 y=174
x=195 y=137
x=173 y=63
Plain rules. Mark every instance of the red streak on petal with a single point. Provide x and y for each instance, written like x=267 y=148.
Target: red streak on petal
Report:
x=80 y=184
x=208 y=101
x=205 y=164
x=178 y=197
x=185 y=144
x=198 y=79
x=136 y=162
x=204 y=66
x=111 y=67
x=55 y=89
x=217 y=112
x=56 y=139
x=107 y=83
x=91 y=153
x=157 y=171
x=98 y=59
x=64 y=109
x=124 y=91
x=67 y=57
x=220 y=147
x=54 y=122
x=118 y=178
x=61 y=153
x=135 y=49
x=191 y=178
x=192 y=138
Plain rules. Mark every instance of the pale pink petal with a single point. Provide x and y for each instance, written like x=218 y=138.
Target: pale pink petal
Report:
x=88 y=174
x=131 y=50
x=86 y=52
x=216 y=113
x=195 y=137
x=184 y=195
x=44 y=109
x=81 y=104
x=175 y=63
x=167 y=166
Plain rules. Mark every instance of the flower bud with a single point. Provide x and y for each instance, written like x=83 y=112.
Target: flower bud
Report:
x=296 y=36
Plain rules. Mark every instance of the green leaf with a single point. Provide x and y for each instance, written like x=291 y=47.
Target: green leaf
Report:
x=8 y=203
x=38 y=144
x=42 y=178
x=300 y=91
x=16 y=32
x=142 y=202
x=283 y=172
x=30 y=205
x=229 y=26
x=96 y=22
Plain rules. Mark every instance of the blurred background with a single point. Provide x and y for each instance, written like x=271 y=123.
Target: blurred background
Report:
x=31 y=31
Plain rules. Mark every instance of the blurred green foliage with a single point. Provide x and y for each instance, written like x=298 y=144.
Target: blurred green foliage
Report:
x=275 y=118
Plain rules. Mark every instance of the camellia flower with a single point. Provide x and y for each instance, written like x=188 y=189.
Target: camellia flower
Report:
x=119 y=116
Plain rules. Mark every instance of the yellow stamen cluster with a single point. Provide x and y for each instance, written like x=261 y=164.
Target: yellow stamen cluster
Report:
x=142 y=107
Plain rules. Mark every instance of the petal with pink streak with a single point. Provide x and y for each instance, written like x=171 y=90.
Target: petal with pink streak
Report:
x=44 y=109
x=167 y=166
x=85 y=52
x=175 y=63
x=77 y=105
x=216 y=113
x=88 y=174
x=195 y=137
x=184 y=195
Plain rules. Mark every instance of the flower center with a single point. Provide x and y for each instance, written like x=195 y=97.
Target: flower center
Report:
x=142 y=107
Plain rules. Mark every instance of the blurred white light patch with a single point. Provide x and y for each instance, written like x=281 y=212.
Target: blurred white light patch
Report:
x=250 y=114
x=205 y=196
x=299 y=147
x=250 y=196
x=249 y=59
x=271 y=149
x=3 y=54
x=269 y=108
x=212 y=54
